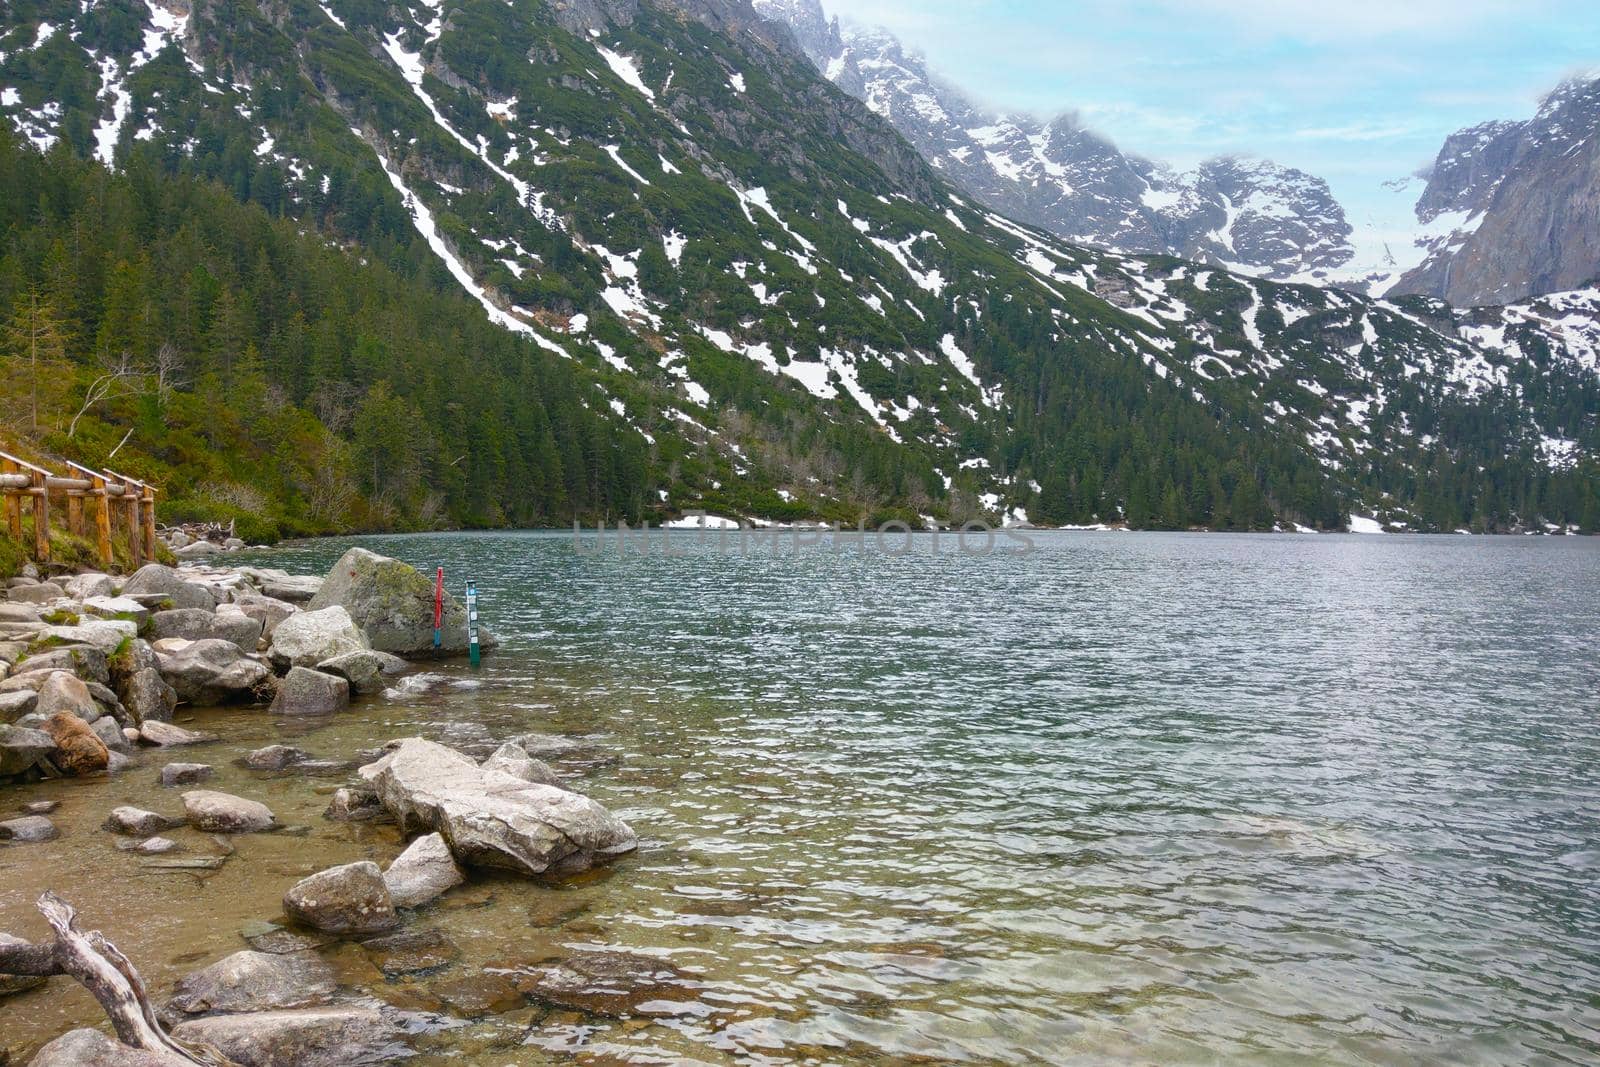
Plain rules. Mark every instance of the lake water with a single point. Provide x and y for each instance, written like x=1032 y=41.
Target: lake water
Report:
x=1122 y=798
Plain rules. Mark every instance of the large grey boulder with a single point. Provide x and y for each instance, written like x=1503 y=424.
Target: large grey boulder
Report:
x=155 y=579
x=231 y=623
x=109 y=731
x=86 y=661
x=40 y=593
x=254 y=981
x=307 y=692
x=188 y=623
x=223 y=813
x=62 y=691
x=311 y=637
x=208 y=671
x=392 y=603
x=21 y=748
x=490 y=818
x=148 y=697
x=16 y=704
x=331 y=1036
x=197 y=550
x=423 y=872
x=367 y=671
x=83 y=586
x=351 y=899
x=265 y=609
x=91 y=1048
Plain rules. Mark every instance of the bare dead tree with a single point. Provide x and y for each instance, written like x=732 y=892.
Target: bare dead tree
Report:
x=102 y=969
x=119 y=378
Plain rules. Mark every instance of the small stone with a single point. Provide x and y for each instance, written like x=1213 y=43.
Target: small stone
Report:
x=29 y=829
x=224 y=813
x=513 y=759
x=186 y=773
x=356 y=805
x=367 y=671
x=350 y=899
x=136 y=822
x=40 y=807
x=156 y=846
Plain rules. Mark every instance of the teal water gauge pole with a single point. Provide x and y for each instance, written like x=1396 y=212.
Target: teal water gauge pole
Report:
x=472 y=621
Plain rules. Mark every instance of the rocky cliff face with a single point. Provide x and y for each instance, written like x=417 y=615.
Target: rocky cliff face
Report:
x=1251 y=215
x=1524 y=200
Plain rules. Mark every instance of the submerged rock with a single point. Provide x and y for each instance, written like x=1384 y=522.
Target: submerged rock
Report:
x=411 y=952
x=424 y=871
x=336 y=1036
x=271 y=937
x=490 y=818
x=274 y=758
x=223 y=813
x=307 y=692
x=392 y=603
x=254 y=981
x=186 y=773
x=311 y=637
x=609 y=983
x=351 y=899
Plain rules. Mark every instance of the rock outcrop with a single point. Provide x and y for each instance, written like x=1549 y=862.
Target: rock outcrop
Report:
x=490 y=818
x=392 y=603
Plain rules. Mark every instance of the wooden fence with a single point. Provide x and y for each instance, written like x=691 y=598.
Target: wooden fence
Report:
x=122 y=507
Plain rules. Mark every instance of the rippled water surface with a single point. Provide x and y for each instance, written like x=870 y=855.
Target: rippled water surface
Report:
x=1125 y=798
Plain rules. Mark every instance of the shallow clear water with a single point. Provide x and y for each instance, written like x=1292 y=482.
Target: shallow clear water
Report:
x=1124 y=798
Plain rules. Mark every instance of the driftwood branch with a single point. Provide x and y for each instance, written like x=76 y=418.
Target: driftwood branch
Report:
x=102 y=969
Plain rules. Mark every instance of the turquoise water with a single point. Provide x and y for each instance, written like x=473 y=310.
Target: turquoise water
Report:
x=1123 y=798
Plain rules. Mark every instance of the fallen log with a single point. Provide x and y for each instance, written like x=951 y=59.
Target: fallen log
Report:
x=102 y=969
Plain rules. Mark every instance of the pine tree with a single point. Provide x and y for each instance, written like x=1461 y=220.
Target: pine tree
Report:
x=36 y=348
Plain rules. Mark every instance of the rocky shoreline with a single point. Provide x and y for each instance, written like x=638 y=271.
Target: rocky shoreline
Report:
x=93 y=670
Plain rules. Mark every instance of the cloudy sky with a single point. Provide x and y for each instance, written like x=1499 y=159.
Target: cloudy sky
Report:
x=1357 y=91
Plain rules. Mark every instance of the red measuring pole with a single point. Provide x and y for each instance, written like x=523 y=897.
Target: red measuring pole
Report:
x=438 y=609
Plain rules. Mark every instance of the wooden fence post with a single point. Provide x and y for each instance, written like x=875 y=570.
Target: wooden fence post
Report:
x=102 y=519
x=149 y=523
x=41 y=518
x=135 y=527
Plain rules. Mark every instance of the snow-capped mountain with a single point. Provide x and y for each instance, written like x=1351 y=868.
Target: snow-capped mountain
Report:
x=1512 y=209
x=755 y=279
x=1250 y=215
